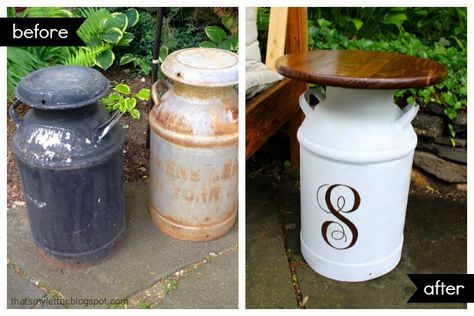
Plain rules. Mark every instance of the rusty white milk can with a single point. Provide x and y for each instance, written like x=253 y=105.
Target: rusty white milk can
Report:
x=356 y=156
x=193 y=145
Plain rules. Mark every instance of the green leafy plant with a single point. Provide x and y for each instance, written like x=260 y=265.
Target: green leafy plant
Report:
x=144 y=305
x=102 y=32
x=123 y=100
x=219 y=38
x=170 y=285
x=450 y=95
x=142 y=62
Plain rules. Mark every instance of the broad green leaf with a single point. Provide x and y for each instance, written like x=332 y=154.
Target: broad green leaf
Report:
x=114 y=96
x=116 y=106
x=324 y=23
x=131 y=103
x=143 y=94
x=127 y=37
x=105 y=59
x=135 y=114
x=395 y=19
x=164 y=51
x=123 y=107
x=226 y=44
x=357 y=23
x=110 y=23
x=133 y=16
x=144 y=65
x=122 y=88
x=122 y=20
x=108 y=101
x=113 y=35
x=215 y=33
x=208 y=44
x=127 y=58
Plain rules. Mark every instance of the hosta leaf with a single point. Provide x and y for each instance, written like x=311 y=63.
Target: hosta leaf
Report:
x=208 y=44
x=135 y=114
x=105 y=59
x=132 y=15
x=121 y=19
x=127 y=37
x=143 y=94
x=130 y=102
x=113 y=35
x=122 y=88
x=127 y=58
x=215 y=33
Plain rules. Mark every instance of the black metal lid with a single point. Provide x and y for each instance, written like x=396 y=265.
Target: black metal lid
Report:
x=62 y=87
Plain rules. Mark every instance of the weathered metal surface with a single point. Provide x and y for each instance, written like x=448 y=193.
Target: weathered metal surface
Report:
x=70 y=163
x=193 y=152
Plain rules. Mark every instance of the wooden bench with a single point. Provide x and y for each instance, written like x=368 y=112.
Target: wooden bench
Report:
x=269 y=110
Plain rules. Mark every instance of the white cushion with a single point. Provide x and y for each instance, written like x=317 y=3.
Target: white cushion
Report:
x=258 y=76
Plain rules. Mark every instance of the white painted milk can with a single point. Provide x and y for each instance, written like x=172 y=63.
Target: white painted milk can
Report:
x=357 y=149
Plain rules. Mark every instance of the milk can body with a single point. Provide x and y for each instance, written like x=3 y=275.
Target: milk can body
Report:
x=193 y=147
x=69 y=155
x=356 y=156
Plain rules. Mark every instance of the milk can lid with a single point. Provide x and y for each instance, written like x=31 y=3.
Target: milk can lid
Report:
x=62 y=87
x=204 y=67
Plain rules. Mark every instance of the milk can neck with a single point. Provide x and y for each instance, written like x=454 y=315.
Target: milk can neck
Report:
x=360 y=99
x=197 y=92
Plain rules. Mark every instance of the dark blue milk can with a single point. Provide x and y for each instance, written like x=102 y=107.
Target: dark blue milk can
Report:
x=68 y=150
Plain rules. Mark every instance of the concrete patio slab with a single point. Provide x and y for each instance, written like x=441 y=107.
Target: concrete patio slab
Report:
x=145 y=255
x=212 y=285
x=268 y=280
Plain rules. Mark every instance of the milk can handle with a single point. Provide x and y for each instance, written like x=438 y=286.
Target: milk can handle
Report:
x=409 y=113
x=105 y=127
x=14 y=114
x=307 y=109
x=158 y=89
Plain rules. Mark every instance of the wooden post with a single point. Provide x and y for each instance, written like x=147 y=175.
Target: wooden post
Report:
x=296 y=41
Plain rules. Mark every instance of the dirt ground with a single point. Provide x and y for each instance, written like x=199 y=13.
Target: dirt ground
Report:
x=136 y=155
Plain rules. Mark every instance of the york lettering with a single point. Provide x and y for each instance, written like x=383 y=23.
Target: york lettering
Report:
x=205 y=195
x=38 y=33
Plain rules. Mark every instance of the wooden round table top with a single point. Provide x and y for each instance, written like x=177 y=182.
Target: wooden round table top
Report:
x=361 y=69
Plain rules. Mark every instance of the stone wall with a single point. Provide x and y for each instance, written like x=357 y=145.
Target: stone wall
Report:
x=435 y=153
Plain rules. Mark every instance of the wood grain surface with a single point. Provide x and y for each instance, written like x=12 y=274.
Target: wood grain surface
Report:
x=361 y=69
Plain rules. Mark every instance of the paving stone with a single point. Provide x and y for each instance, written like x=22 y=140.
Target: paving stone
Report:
x=21 y=292
x=388 y=291
x=145 y=255
x=268 y=279
x=212 y=285
x=431 y=218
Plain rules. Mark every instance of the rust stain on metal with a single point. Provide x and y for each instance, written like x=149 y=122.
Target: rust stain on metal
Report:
x=193 y=232
x=174 y=122
x=221 y=125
